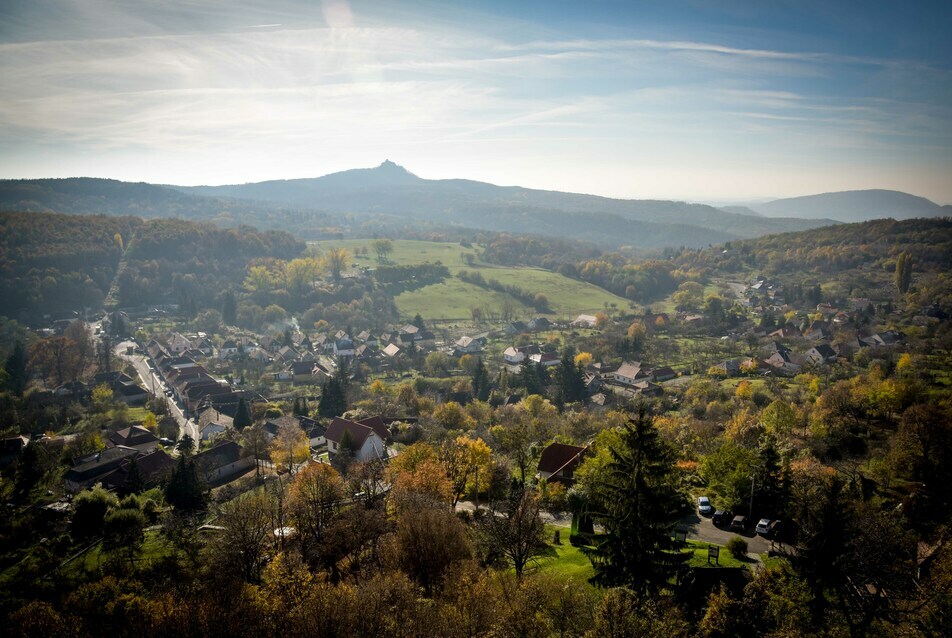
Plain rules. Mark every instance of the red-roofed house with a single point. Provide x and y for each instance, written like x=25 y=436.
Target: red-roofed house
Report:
x=558 y=462
x=367 y=442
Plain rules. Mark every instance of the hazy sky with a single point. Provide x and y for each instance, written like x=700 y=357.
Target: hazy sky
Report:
x=686 y=99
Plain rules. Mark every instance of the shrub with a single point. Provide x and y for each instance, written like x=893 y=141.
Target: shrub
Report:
x=737 y=546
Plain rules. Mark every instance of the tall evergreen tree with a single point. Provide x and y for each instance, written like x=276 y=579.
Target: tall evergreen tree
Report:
x=15 y=367
x=528 y=378
x=903 y=275
x=243 y=416
x=480 y=380
x=229 y=308
x=185 y=490
x=637 y=504
x=571 y=380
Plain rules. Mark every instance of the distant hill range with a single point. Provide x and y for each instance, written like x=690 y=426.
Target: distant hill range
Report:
x=854 y=206
x=389 y=200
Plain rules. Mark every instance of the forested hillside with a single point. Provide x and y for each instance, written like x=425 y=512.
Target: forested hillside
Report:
x=190 y=264
x=56 y=263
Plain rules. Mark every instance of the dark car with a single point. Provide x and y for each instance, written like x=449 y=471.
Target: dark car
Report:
x=722 y=517
x=739 y=523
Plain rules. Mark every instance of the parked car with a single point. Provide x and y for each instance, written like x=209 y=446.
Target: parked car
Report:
x=704 y=506
x=739 y=524
x=763 y=526
x=722 y=517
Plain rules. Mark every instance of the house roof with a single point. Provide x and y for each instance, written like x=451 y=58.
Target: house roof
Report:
x=629 y=369
x=132 y=436
x=222 y=454
x=376 y=424
x=560 y=456
x=392 y=350
x=358 y=432
x=151 y=467
x=99 y=462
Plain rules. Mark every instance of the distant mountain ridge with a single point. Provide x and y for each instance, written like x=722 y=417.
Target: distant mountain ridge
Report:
x=854 y=206
x=389 y=199
x=390 y=188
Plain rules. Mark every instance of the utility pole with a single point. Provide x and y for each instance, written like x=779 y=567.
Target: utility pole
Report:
x=750 y=512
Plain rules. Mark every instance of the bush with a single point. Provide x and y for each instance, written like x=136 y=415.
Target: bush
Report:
x=737 y=546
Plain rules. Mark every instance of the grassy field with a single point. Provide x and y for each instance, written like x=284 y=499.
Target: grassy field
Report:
x=453 y=299
x=570 y=562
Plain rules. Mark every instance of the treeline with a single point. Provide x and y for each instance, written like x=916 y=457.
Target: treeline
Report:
x=537 y=300
x=642 y=281
x=622 y=274
x=189 y=263
x=421 y=274
x=834 y=248
x=54 y=264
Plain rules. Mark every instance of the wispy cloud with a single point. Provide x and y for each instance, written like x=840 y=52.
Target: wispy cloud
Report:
x=303 y=81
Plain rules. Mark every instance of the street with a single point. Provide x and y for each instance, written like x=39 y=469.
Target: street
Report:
x=152 y=382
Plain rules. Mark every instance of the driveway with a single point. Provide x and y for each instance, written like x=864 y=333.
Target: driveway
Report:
x=702 y=529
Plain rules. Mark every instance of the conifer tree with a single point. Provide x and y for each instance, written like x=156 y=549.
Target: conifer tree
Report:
x=243 y=417
x=637 y=504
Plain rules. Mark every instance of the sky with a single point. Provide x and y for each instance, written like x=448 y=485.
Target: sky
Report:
x=699 y=100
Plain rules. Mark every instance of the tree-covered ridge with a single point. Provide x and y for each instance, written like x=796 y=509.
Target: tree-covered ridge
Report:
x=835 y=248
x=55 y=263
x=191 y=263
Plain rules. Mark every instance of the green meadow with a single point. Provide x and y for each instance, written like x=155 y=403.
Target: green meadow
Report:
x=453 y=299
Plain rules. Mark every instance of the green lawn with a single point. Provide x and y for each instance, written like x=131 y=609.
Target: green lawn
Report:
x=154 y=547
x=699 y=558
x=453 y=299
x=569 y=561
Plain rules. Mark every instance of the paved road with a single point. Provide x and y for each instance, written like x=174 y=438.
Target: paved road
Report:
x=153 y=383
x=701 y=528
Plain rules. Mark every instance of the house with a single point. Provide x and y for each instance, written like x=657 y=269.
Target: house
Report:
x=136 y=437
x=152 y=468
x=539 y=323
x=664 y=373
x=821 y=353
x=344 y=347
x=178 y=343
x=229 y=348
x=728 y=367
x=316 y=433
x=201 y=343
x=628 y=373
x=467 y=345
x=222 y=461
x=546 y=359
x=365 y=441
x=287 y=354
x=211 y=430
x=786 y=332
x=409 y=333
x=392 y=350
x=584 y=321
x=516 y=354
x=516 y=327
x=513 y=355
x=72 y=389
x=558 y=462
x=87 y=471
x=885 y=338
x=130 y=393
x=309 y=372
